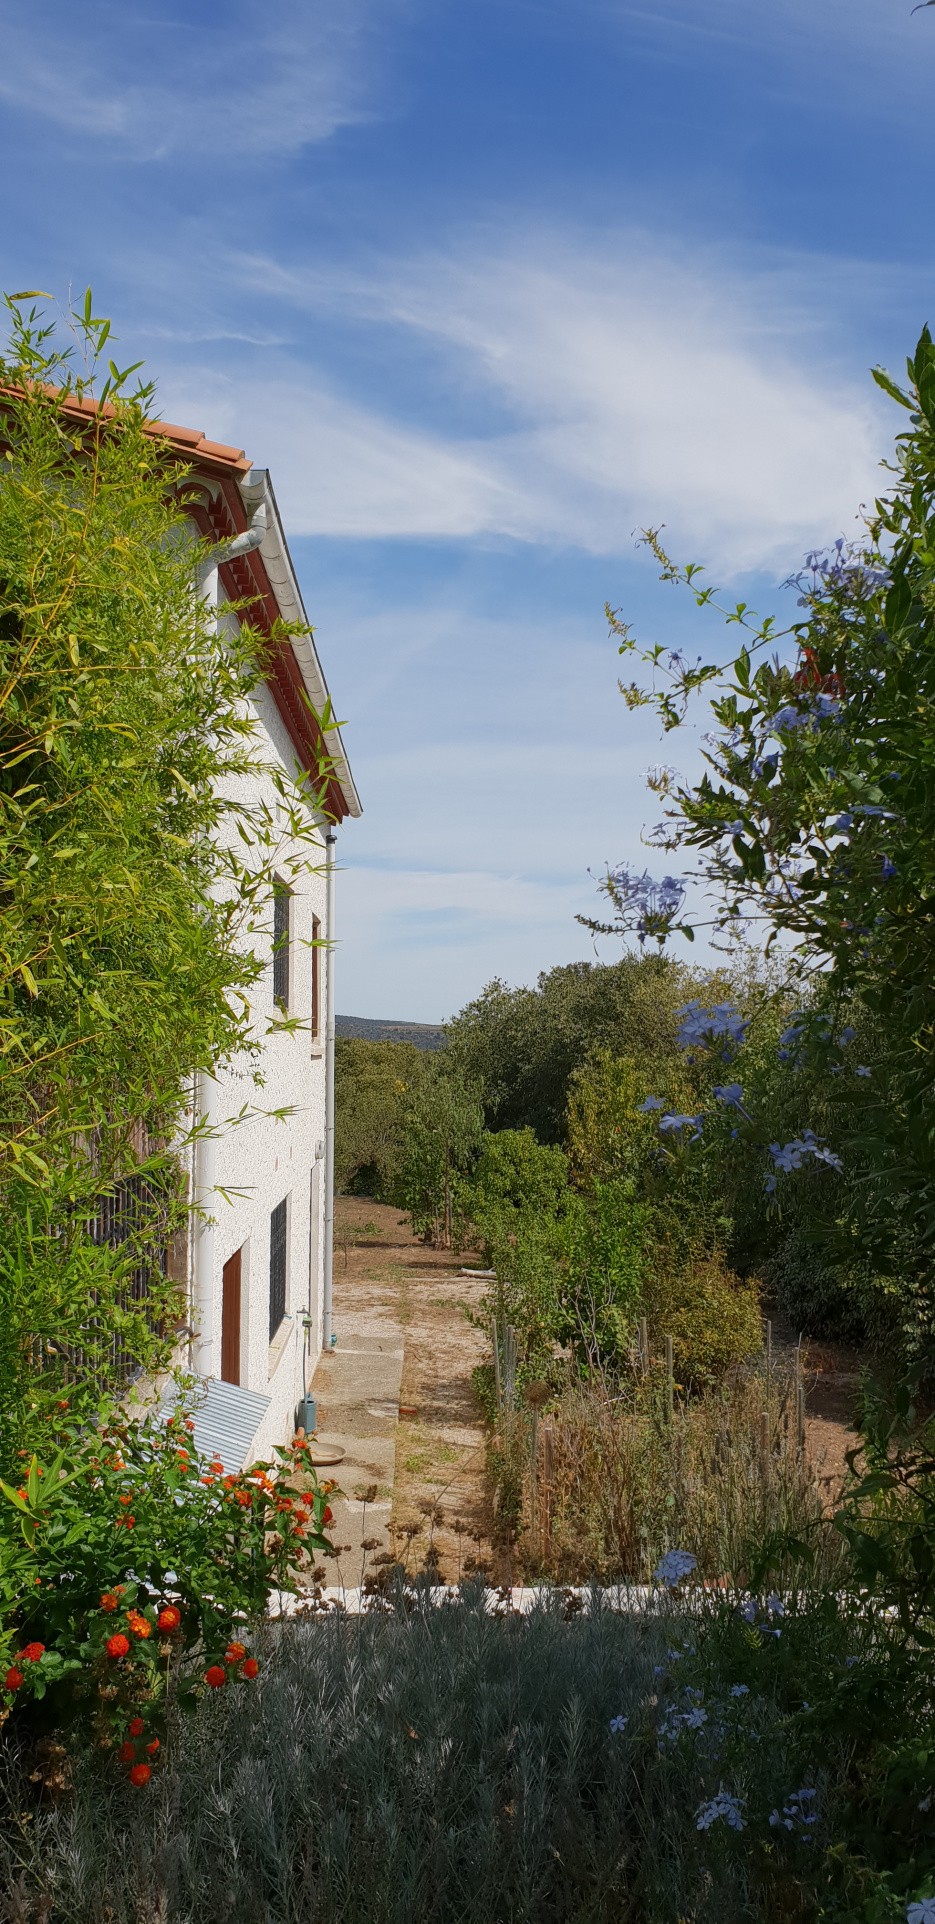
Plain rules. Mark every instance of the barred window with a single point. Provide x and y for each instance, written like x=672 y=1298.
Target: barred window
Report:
x=282 y=935
x=277 y=1267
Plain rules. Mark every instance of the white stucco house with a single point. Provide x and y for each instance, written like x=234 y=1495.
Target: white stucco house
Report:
x=257 y=1263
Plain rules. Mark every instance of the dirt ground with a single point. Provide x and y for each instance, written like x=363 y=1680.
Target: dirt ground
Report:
x=440 y=1497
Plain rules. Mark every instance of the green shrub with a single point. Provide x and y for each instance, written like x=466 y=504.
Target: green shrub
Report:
x=516 y=1174
x=712 y=1316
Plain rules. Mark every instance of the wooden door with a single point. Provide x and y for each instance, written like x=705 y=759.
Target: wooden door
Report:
x=230 y=1320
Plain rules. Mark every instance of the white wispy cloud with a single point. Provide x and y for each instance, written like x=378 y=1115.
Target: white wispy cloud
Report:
x=613 y=384
x=268 y=81
x=850 y=53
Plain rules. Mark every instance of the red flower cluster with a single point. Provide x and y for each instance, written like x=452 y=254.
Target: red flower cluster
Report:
x=118 y=1646
x=33 y=1652
x=169 y=1617
x=13 y=1678
x=215 y=1675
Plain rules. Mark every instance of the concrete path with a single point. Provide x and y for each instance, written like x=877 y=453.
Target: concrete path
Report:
x=356 y=1388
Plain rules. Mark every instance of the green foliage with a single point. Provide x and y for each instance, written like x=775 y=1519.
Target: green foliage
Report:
x=516 y=1175
x=524 y=1045
x=712 y=1315
x=443 y=1132
x=817 y=818
x=604 y=1242
x=136 y=878
x=529 y=1291
x=373 y=1083
x=126 y=1534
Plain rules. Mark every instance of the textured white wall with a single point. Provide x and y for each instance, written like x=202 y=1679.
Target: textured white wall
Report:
x=261 y=1161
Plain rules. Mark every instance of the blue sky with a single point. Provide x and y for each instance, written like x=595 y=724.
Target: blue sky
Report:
x=489 y=284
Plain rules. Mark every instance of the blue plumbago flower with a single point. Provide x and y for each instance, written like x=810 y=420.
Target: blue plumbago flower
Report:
x=791 y=1155
x=730 y=1094
x=764 y=765
x=673 y=1125
x=922 y=1911
x=673 y=1720
x=654 y=904
x=888 y=869
x=862 y=1071
x=699 y=1027
x=652 y=1102
x=775 y=1605
x=842 y=568
x=748 y=1610
x=740 y=1690
x=673 y=1567
x=723 y=1806
x=789 y=1041
x=789 y=717
x=618 y=1726
x=798 y=1814
x=842 y=823
x=873 y=809
x=734 y=828
x=847 y=1035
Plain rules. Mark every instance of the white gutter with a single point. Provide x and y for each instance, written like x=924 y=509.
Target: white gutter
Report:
x=328 y=1337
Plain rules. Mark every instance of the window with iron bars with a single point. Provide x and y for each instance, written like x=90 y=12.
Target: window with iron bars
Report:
x=127 y=1216
x=277 y=1267
x=282 y=936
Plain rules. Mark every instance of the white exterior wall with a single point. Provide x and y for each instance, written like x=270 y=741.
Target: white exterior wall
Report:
x=261 y=1161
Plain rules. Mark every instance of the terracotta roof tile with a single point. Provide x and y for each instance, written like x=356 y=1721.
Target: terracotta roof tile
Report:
x=190 y=442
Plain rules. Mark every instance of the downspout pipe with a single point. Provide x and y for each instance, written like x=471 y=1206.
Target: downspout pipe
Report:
x=328 y=1336
x=207 y=1091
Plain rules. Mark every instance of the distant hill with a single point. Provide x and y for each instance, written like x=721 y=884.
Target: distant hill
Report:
x=425 y=1035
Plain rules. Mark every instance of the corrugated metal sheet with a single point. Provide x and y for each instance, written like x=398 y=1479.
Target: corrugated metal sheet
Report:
x=226 y=1419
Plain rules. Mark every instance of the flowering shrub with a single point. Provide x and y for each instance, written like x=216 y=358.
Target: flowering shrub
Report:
x=814 y=824
x=130 y=1569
